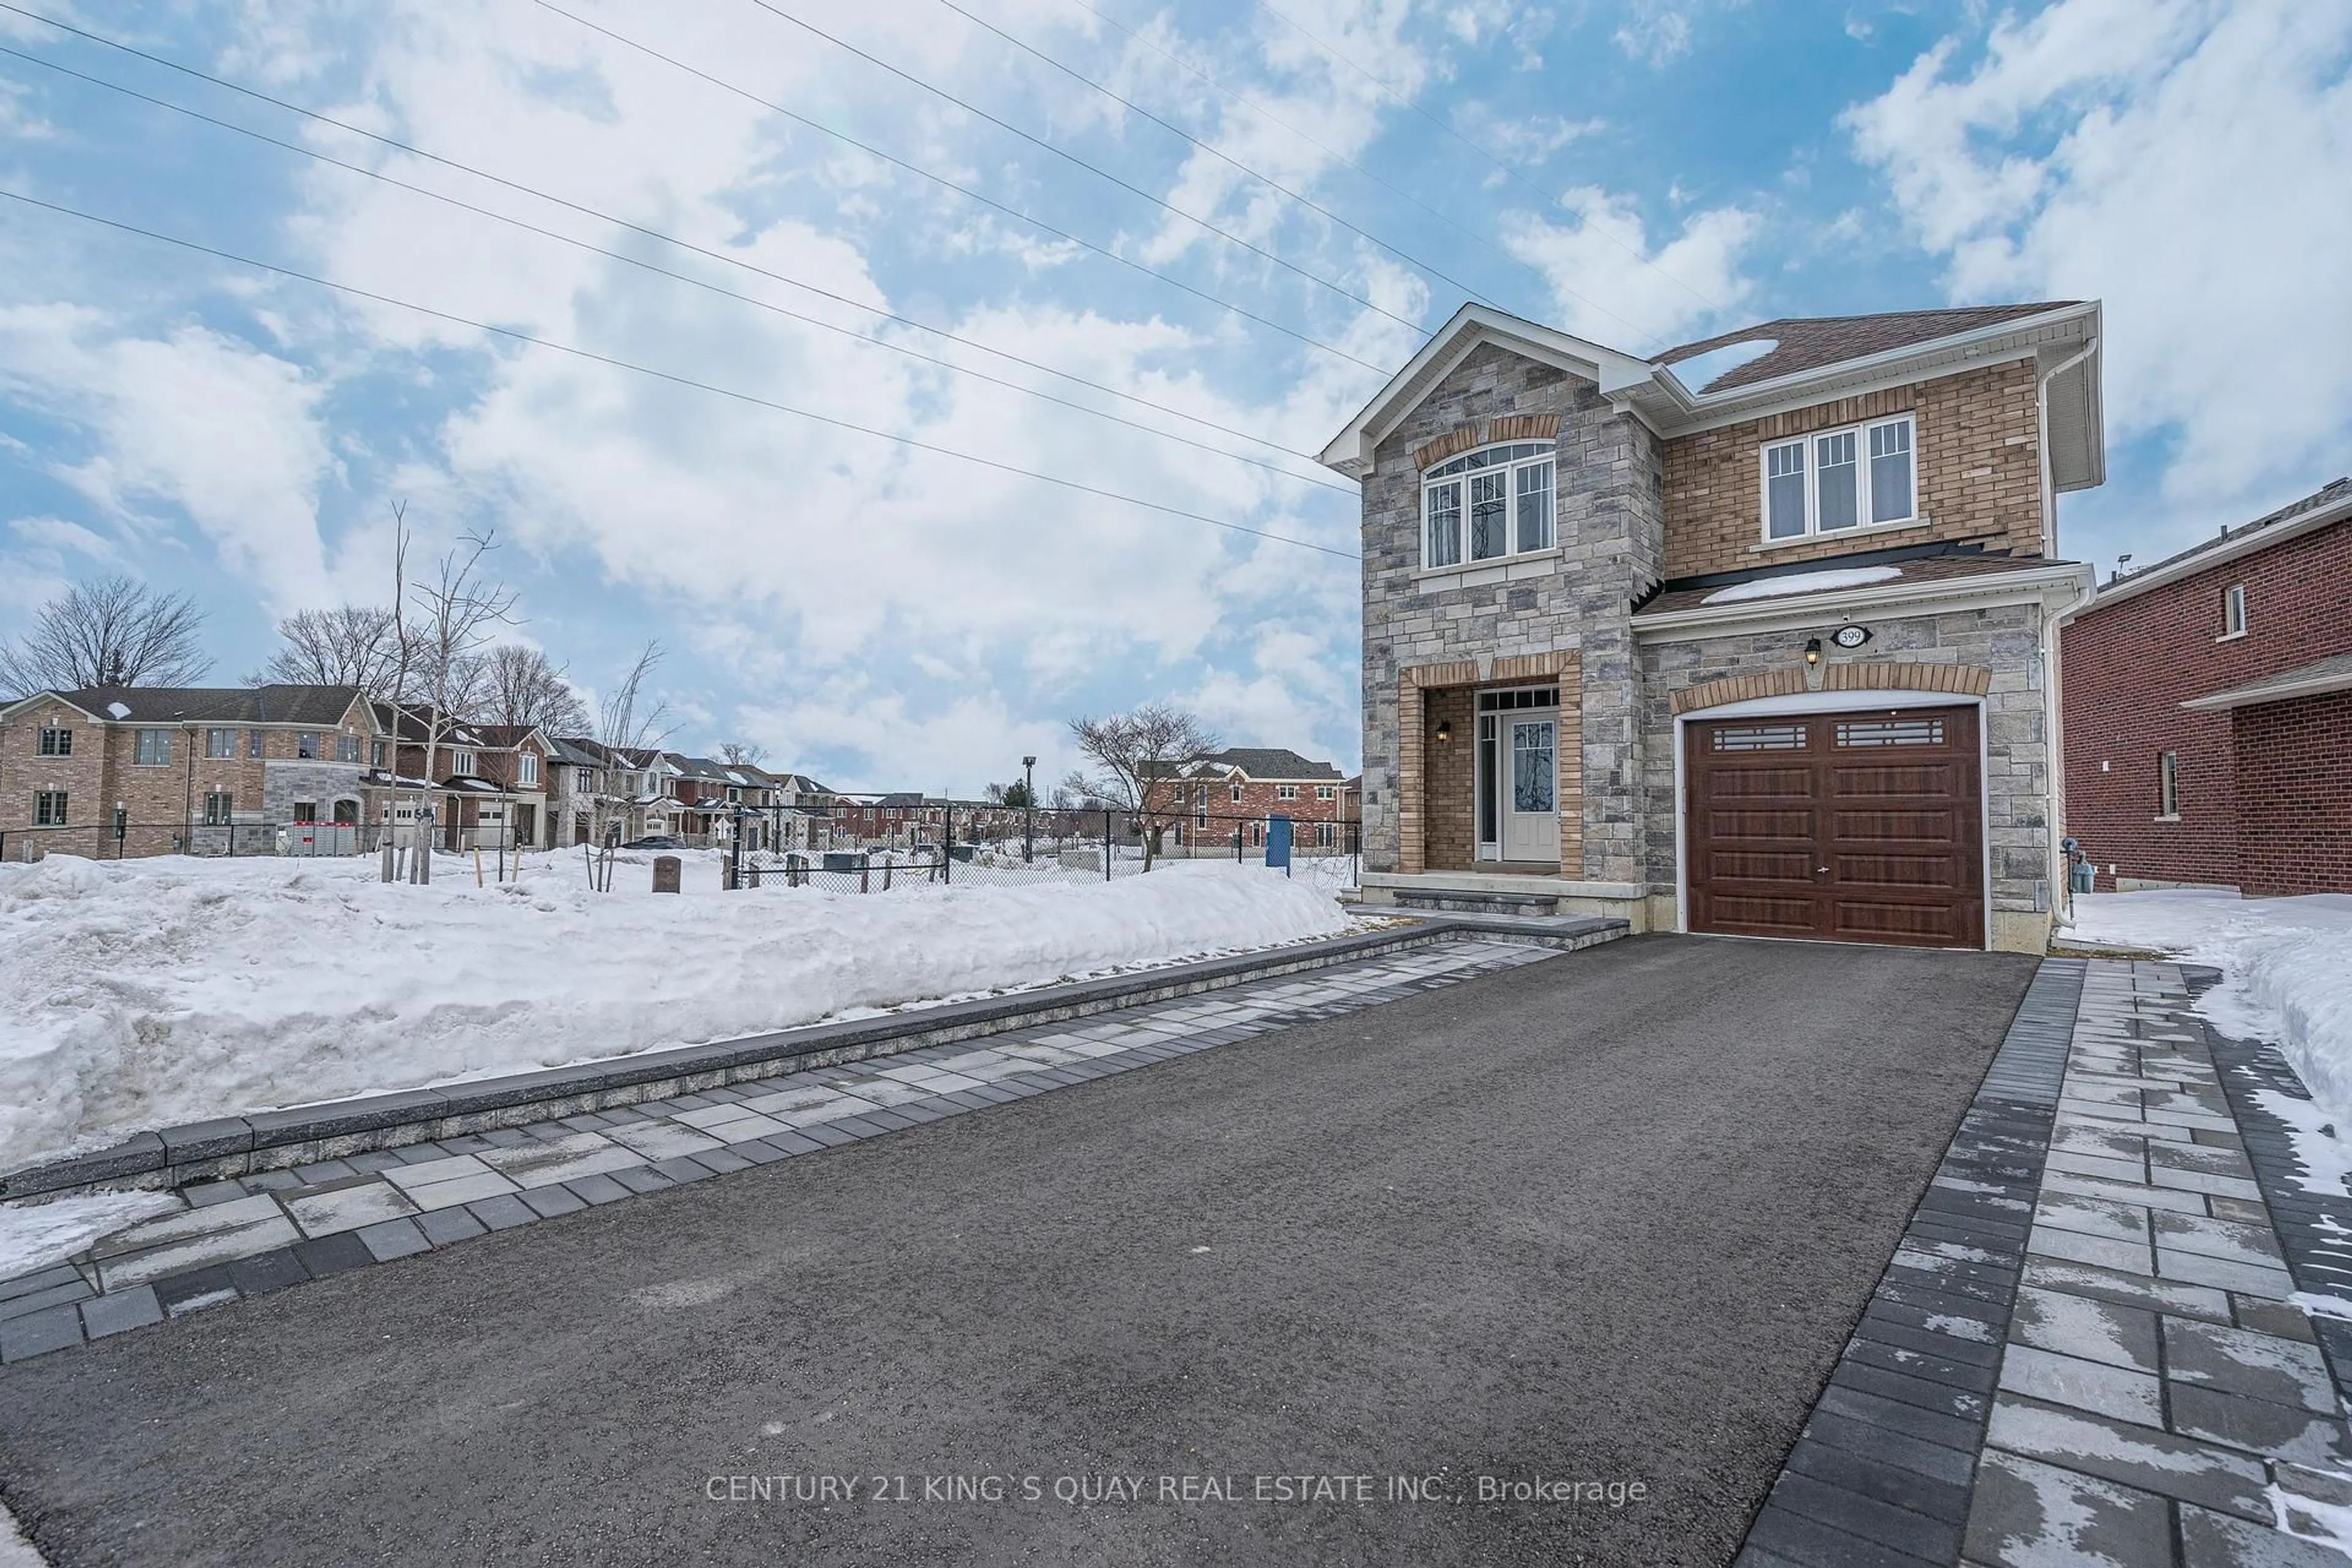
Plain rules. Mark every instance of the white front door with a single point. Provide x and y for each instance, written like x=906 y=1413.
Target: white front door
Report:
x=1531 y=791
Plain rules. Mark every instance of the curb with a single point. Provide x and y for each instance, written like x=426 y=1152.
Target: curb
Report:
x=273 y=1140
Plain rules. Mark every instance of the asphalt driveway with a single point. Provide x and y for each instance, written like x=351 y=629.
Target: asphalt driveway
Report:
x=1604 y=1219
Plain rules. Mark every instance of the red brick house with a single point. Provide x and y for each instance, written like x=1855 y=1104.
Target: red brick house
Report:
x=2208 y=710
x=1243 y=785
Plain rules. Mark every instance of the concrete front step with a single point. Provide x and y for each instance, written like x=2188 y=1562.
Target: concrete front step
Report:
x=1467 y=902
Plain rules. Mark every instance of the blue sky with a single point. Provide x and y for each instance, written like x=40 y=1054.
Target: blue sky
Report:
x=1641 y=172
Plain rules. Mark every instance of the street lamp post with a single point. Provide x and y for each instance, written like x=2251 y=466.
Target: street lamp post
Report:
x=1028 y=809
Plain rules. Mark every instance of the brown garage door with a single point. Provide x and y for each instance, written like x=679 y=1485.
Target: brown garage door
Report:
x=1853 y=826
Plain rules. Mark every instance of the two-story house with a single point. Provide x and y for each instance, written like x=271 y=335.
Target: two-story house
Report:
x=1756 y=635
x=151 y=770
x=1237 y=790
x=2208 y=705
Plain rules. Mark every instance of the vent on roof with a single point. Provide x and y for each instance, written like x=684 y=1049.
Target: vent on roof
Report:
x=118 y=711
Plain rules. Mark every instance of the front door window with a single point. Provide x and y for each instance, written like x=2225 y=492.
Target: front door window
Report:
x=1532 y=774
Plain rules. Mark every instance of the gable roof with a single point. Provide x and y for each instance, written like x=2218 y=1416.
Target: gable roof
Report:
x=1270 y=762
x=1812 y=360
x=2331 y=503
x=1810 y=343
x=578 y=752
x=322 y=706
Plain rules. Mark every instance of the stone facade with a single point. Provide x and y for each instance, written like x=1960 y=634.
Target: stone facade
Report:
x=1979 y=474
x=1608 y=528
x=1994 y=652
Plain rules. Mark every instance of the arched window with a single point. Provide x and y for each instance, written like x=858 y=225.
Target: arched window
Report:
x=1487 y=504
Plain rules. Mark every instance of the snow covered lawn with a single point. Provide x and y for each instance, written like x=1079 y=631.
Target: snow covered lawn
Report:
x=139 y=994
x=2286 y=966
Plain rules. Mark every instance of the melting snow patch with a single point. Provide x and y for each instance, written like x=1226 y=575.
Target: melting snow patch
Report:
x=1702 y=371
x=1961 y=1329
x=35 y=1235
x=1802 y=583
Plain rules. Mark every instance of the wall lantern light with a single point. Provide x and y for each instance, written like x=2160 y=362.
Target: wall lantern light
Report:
x=1813 y=651
x=1445 y=730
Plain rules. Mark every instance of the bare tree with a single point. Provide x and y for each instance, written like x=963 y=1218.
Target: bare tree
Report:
x=1139 y=758
x=525 y=689
x=113 y=631
x=743 y=754
x=350 y=645
x=631 y=722
x=438 y=673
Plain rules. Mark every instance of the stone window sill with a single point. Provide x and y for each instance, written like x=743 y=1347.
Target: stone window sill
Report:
x=1859 y=531
x=2230 y=636
x=2174 y=817
x=1502 y=569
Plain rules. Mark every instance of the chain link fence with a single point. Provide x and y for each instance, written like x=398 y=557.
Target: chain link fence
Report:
x=1007 y=847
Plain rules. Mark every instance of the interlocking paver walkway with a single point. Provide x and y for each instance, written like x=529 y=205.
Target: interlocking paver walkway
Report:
x=277 y=1228
x=2161 y=1399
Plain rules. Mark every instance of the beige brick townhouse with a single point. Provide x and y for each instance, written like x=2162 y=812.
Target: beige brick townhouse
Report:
x=206 y=770
x=1753 y=636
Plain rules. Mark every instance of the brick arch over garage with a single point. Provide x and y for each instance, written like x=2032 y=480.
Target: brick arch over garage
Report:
x=1957 y=680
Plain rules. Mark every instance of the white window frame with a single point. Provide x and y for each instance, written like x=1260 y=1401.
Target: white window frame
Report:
x=461 y=763
x=1327 y=792
x=2233 y=612
x=1807 y=447
x=2168 y=786
x=527 y=768
x=1457 y=471
x=1286 y=792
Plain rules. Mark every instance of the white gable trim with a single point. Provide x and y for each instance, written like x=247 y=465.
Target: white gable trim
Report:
x=1473 y=326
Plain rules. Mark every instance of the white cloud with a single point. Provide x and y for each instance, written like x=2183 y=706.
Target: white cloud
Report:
x=1653 y=32
x=2185 y=160
x=192 y=420
x=1611 y=285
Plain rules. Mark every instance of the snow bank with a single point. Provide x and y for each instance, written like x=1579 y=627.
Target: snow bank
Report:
x=2286 y=966
x=143 y=992
x=1803 y=582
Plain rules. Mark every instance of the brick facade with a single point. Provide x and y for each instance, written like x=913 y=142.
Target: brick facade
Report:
x=2128 y=667
x=166 y=805
x=1634 y=511
x=2294 y=795
x=1979 y=460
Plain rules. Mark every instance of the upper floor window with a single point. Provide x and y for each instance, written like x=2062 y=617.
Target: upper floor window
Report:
x=2233 y=610
x=1327 y=792
x=347 y=747
x=1286 y=792
x=527 y=768
x=306 y=744
x=1501 y=498
x=253 y=742
x=375 y=755
x=220 y=743
x=57 y=742
x=1237 y=795
x=462 y=764
x=152 y=748
x=49 y=808
x=1832 y=481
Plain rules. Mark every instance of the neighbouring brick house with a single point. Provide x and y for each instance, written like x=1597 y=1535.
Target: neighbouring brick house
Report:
x=2208 y=703
x=1235 y=791
x=201 y=769
x=1753 y=636
x=487 y=786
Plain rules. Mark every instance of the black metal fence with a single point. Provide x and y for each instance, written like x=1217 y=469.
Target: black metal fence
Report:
x=1008 y=847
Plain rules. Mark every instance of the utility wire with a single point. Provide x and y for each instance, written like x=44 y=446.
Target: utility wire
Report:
x=1267 y=181
x=1253 y=106
x=1316 y=278
x=675 y=379
x=1038 y=224
x=686 y=277
x=1549 y=199
x=965 y=191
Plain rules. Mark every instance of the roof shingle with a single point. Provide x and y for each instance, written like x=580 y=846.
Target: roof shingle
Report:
x=1810 y=343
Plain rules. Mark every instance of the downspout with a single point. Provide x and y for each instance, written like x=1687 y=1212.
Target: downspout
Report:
x=2061 y=889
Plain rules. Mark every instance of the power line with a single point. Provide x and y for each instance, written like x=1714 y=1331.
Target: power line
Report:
x=686 y=278
x=965 y=191
x=1549 y=200
x=1271 y=183
x=1039 y=141
x=1038 y=224
x=1259 y=108
x=675 y=379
